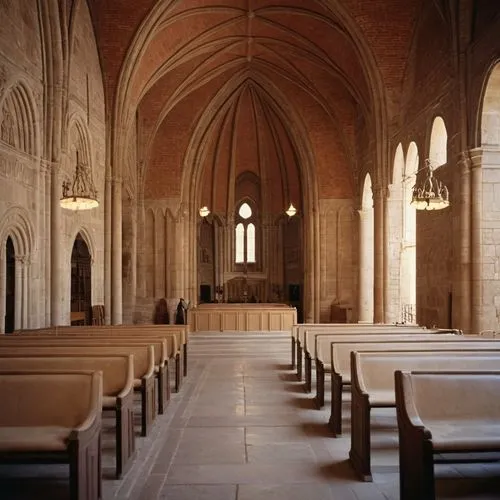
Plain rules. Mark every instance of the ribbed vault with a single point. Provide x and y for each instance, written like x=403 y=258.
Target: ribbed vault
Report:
x=275 y=78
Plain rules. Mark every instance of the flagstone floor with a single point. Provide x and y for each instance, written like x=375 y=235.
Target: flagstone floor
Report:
x=242 y=428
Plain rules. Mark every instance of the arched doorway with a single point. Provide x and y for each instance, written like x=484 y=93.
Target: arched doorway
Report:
x=10 y=285
x=81 y=282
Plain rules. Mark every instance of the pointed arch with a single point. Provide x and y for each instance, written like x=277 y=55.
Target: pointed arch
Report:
x=398 y=169
x=18 y=119
x=490 y=110
x=16 y=224
x=438 y=147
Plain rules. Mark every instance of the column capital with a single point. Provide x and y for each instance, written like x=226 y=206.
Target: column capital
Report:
x=380 y=192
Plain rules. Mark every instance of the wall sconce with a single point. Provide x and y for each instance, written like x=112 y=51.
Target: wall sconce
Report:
x=291 y=211
x=430 y=194
x=204 y=211
x=80 y=194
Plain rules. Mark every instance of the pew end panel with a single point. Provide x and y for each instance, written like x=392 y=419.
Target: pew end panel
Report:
x=38 y=434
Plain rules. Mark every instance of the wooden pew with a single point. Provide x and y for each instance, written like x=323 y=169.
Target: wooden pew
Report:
x=443 y=413
x=309 y=341
x=177 y=332
x=118 y=389
x=340 y=361
x=144 y=381
x=322 y=350
x=373 y=387
x=336 y=328
x=164 y=349
x=54 y=417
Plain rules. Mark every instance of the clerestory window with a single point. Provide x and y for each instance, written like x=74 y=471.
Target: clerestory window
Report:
x=245 y=236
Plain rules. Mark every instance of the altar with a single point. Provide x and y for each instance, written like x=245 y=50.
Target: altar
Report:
x=242 y=317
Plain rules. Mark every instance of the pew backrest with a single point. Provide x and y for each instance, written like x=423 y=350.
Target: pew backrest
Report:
x=162 y=348
x=299 y=330
x=373 y=372
x=322 y=342
x=117 y=371
x=143 y=355
x=39 y=399
x=340 y=352
x=450 y=396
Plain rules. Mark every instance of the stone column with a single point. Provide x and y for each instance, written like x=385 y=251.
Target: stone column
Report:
x=476 y=179
x=366 y=260
x=25 y=266
x=56 y=288
x=107 y=248
x=46 y=243
x=378 y=249
x=465 y=242
x=393 y=217
x=309 y=284
x=116 y=264
x=19 y=294
x=178 y=285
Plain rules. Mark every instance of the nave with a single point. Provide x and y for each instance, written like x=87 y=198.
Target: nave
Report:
x=242 y=428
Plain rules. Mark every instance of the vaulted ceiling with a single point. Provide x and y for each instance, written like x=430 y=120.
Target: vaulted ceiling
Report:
x=273 y=87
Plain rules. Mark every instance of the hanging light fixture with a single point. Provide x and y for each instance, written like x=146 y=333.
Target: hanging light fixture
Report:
x=80 y=194
x=291 y=211
x=430 y=193
x=204 y=211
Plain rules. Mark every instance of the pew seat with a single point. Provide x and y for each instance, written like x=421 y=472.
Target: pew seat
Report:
x=54 y=417
x=117 y=396
x=373 y=387
x=443 y=413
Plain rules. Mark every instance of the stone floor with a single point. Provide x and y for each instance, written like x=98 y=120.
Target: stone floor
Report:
x=242 y=428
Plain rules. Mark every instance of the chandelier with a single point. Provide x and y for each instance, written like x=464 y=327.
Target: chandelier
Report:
x=430 y=193
x=80 y=194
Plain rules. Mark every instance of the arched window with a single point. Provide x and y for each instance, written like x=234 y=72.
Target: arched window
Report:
x=240 y=244
x=438 y=150
x=245 y=239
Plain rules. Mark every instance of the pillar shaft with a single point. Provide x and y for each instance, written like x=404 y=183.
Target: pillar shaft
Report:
x=116 y=265
x=378 y=244
x=56 y=287
x=107 y=249
x=476 y=179
x=465 y=242
x=365 y=281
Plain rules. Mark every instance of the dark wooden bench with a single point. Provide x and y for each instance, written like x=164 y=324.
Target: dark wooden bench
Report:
x=54 y=417
x=303 y=331
x=373 y=387
x=144 y=381
x=440 y=415
x=164 y=350
x=118 y=389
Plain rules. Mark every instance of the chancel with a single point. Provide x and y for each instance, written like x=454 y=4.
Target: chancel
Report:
x=231 y=175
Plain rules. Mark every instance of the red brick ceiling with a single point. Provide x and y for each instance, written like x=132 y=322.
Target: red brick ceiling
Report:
x=276 y=76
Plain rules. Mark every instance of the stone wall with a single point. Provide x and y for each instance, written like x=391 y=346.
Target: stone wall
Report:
x=26 y=171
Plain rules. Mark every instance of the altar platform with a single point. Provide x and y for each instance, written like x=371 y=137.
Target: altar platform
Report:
x=242 y=317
